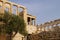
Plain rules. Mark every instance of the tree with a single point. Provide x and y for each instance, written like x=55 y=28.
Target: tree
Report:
x=12 y=23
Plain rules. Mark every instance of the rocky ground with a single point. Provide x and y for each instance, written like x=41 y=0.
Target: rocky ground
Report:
x=49 y=35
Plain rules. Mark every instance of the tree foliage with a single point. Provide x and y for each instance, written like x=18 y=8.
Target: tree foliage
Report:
x=12 y=23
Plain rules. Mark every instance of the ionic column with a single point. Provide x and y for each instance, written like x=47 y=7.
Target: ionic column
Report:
x=3 y=7
x=17 y=10
x=10 y=9
x=34 y=22
x=25 y=15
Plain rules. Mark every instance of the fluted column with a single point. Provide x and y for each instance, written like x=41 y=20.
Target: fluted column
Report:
x=25 y=15
x=10 y=9
x=17 y=10
x=34 y=22
x=3 y=7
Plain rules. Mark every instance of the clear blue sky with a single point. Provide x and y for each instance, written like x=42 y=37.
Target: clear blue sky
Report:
x=44 y=10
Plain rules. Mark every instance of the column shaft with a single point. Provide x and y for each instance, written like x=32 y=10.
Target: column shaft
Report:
x=17 y=11
x=34 y=22
x=10 y=9
x=3 y=7
x=25 y=15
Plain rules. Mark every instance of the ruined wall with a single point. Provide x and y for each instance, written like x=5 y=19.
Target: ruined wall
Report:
x=31 y=29
x=45 y=36
x=19 y=10
x=12 y=8
x=18 y=37
x=50 y=34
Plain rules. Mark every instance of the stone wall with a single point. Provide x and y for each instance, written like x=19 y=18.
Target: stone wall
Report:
x=18 y=37
x=46 y=35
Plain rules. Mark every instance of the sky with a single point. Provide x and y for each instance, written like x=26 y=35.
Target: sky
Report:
x=44 y=10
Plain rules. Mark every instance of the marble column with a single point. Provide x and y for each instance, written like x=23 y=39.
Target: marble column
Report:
x=34 y=22
x=25 y=15
x=3 y=7
x=17 y=10
x=10 y=9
